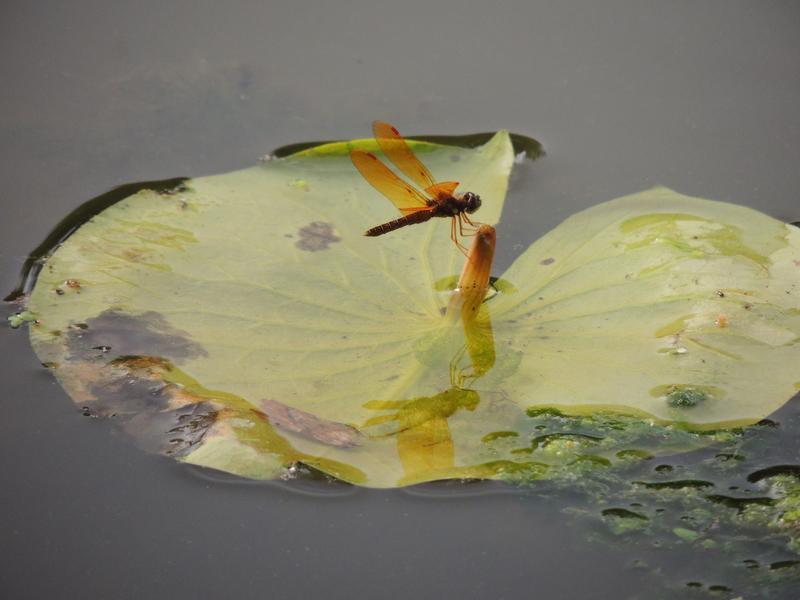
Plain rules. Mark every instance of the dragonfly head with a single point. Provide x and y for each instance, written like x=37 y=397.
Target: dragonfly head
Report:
x=472 y=201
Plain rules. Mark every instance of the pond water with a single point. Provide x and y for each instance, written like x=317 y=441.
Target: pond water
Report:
x=623 y=97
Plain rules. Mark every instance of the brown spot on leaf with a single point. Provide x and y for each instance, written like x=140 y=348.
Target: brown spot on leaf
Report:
x=548 y=261
x=72 y=284
x=315 y=236
x=120 y=334
x=133 y=254
x=308 y=425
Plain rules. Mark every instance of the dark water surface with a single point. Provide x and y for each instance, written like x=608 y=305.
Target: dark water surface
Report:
x=700 y=97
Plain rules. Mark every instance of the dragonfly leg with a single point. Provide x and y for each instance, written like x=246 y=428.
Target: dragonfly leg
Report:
x=473 y=225
x=466 y=230
x=454 y=237
x=457 y=376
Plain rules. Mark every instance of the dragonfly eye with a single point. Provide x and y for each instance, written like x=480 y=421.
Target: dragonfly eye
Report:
x=473 y=202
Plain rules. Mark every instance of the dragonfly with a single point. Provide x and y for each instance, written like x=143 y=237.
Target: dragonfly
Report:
x=416 y=204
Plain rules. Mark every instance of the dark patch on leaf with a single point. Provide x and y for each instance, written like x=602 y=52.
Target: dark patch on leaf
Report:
x=131 y=385
x=316 y=236
x=133 y=391
x=113 y=334
x=547 y=261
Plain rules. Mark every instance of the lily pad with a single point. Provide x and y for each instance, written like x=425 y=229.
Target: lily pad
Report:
x=667 y=306
x=244 y=323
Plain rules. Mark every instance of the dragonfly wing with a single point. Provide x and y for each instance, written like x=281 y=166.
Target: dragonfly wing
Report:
x=443 y=189
x=403 y=196
x=394 y=146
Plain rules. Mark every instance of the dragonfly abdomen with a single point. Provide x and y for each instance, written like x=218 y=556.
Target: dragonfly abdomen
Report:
x=416 y=217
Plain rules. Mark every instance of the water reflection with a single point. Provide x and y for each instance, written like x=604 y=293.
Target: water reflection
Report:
x=424 y=440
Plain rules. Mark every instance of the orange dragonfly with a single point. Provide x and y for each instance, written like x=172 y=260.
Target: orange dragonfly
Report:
x=437 y=199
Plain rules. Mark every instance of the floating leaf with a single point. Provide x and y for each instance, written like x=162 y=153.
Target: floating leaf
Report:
x=243 y=322
x=657 y=304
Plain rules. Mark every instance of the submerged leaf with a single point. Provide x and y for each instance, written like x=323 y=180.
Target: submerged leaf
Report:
x=244 y=323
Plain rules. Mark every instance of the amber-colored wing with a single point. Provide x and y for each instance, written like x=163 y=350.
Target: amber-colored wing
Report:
x=443 y=189
x=396 y=150
x=381 y=177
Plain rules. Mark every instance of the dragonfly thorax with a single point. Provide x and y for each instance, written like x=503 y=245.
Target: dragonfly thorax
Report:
x=450 y=206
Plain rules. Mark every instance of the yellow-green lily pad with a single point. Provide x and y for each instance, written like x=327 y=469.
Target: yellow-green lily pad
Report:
x=658 y=304
x=244 y=323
